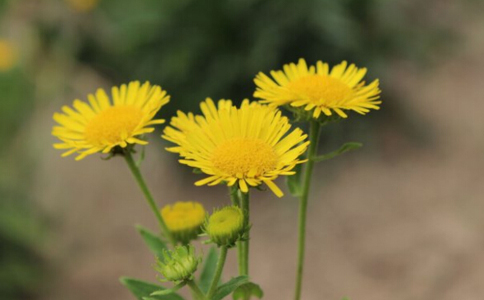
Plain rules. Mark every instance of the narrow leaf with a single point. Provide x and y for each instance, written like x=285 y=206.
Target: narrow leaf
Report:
x=154 y=243
x=247 y=290
x=228 y=287
x=142 y=289
x=345 y=148
x=294 y=181
x=208 y=270
x=169 y=291
x=141 y=157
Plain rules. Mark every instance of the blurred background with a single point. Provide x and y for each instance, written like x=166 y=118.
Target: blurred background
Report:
x=402 y=218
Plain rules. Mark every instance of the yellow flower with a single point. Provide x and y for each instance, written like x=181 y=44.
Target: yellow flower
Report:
x=318 y=89
x=245 y=145
x=99 y=126
x=184 y=220
x=82 y=5
x=8 y=55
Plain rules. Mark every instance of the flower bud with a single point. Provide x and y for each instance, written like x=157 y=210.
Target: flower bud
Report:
x=225 y=226
x=184 y=220
x=179 y=264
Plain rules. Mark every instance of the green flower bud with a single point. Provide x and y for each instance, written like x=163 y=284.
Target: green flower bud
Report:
x=226 y=226
x=179 y=264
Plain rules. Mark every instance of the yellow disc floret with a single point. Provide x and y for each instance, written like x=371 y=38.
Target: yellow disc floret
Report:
x=184 y=220
x=102 y=124
x=246 y=146
x=113 y=124
x=243 y=155
x=226 y=226
x=319 y=89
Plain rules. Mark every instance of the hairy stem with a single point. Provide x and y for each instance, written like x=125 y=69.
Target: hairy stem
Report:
x=196 y=290
x=234 y=198
x=146 y=192
x=244 y=263
x=218 y=272
x=303 y=203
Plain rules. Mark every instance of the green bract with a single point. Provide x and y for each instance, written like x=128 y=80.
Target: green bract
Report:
x=225 y=226
x=179 y=264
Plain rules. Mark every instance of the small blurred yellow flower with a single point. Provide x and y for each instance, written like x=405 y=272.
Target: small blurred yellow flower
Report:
x=184 y=220
x=101 y=125
x=318 y=89
x=246 y=145
x=8 y=55
x=82 y=5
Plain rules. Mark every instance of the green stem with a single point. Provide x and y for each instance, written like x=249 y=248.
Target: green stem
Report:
x=196 y=290
x=146 y=192
x=303 y=203
x=218 y=272
x=234 y=198
x=244 y=263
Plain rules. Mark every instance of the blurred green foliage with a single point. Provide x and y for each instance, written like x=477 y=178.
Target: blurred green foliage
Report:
x=20 y=233
x=197 y=49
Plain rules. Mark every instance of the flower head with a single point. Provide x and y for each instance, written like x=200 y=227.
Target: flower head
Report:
x=8 y=55
x=101 y=125
x=178 y=264
x=246 y=145
x=226 y=226
x=184 y=220
x=317 y=89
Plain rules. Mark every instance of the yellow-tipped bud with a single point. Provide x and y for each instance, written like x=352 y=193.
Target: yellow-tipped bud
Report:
x=226 y=226
x=179 y=264
x=184 y=220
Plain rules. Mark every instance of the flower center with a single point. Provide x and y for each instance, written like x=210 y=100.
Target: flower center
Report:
x=113 y=125
x=321 y=89
x=225 y=221
x=239 y=156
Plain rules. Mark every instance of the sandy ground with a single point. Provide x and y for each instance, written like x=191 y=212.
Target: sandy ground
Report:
x=403 y=223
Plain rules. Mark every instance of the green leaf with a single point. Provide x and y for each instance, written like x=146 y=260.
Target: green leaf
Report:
x=294 y=181
x=208 y=270
x=345 y=148
x=155 y=244
x=142 y=289
x=141 y=157
x=247 y=290
x=169 y=291
x=228 y=287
